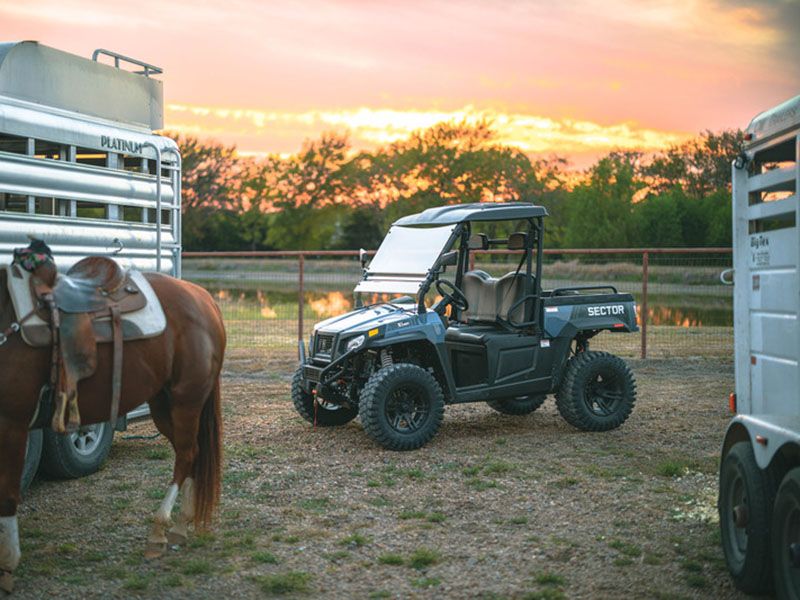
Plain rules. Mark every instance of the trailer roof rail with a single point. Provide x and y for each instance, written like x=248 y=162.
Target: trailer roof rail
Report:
x=147 y=68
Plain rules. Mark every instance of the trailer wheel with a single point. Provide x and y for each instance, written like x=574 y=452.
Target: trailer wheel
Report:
x=33 y=455
x=597 y=393
x=746 y=494
x=786 y=537
x=327 y=414
x=521 y=405
x=401 y=407
x=74 y=455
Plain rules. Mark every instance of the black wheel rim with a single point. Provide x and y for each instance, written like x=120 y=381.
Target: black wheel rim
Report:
x=407 y=408
x=790 y=540
x=604 y=394
x=736 y=539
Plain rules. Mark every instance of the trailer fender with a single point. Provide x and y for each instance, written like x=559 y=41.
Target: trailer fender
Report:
x=769 y=435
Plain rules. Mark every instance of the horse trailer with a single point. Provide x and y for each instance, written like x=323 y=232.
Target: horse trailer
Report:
x=82 y=168
x=759 y=486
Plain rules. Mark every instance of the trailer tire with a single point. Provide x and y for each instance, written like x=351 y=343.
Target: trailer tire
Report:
x=326 y=415
x=518 y=406
x=746 y=495
x=786 y=537
x=597 y=393
x=70 y=456
x=401 y=407
x=33 y=456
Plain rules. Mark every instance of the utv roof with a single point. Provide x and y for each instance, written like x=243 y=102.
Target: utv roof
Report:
x=482 y=211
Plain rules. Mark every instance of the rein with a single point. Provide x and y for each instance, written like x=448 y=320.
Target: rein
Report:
x=15 y=327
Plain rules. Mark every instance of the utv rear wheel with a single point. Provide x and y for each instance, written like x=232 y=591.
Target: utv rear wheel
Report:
x=324 y=414
x=401 y=407
x=597 y=393
x=521 y=405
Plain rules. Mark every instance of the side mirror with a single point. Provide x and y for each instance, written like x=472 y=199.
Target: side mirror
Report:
x=448 y=259
x=478 y=241
x=362 y=258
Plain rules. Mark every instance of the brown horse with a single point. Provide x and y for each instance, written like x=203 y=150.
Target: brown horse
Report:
x=177 y=373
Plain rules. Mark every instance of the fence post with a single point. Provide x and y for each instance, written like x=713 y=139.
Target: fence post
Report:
x=643 y=308
x=301 y=260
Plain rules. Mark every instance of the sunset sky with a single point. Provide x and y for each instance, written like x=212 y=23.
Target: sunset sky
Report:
x=575 y=78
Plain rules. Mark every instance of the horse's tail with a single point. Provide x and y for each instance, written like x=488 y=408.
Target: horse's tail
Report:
x=208 y=464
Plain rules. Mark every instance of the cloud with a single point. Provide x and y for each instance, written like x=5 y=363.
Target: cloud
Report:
x=265 y=131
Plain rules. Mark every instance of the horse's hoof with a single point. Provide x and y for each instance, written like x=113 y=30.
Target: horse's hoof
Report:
x=6 y=582
x=175 y=538
x=154 y=550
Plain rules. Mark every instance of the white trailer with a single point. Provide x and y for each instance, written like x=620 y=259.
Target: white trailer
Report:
x=759 y=486
x=82 y=169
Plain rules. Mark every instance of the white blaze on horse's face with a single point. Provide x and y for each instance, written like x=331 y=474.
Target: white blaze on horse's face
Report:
x=9 y=544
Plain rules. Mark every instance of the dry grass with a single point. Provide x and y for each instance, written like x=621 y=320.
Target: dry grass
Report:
x=494 y=507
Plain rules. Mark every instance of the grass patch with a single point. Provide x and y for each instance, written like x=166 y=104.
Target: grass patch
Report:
x=497 y=468
x=549 y=579
x=412 y=514
x=518 y=520
x=265 y=558
x=196 y=566
x=437 y=517
x=316 y=504
x=481 y=485
x=355 y=539
x=391 y=559
x=284 y=583
x=426 y=582
x=338 y=555
x=622 y=561
x=423 y=557
x=173 y=581
x=379 y=594
x=136 y=583
x=625 y=548
x=159 y=453
x=696 y=580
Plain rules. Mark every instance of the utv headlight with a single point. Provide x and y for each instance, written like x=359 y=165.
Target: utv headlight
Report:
x=356 y=343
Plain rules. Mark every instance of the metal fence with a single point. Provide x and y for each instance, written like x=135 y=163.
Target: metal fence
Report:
x=272 y=299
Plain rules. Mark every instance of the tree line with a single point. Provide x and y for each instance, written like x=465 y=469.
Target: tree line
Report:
x=329 y=196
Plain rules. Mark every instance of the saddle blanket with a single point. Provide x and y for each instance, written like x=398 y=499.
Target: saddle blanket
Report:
x=147 y=322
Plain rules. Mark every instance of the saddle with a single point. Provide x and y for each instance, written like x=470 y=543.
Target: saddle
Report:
x=96 y=301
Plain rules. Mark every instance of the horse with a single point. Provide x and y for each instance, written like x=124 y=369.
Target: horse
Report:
x=177 y=373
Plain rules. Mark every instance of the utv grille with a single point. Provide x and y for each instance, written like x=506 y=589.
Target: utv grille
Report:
x=324 y=344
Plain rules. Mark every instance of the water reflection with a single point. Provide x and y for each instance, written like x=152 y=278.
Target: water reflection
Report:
x=676 y=312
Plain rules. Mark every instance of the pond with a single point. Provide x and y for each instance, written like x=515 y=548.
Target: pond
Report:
x=270 y=304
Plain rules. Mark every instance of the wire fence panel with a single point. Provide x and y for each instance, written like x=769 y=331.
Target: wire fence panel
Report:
x=271 y=299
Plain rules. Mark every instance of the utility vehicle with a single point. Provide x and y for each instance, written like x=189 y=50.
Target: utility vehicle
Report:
x=503 y=341
x=759 y=480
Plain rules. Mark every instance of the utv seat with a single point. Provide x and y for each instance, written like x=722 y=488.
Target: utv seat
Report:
x=489 y=302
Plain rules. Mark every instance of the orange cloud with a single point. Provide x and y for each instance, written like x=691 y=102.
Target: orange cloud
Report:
x=369 y=127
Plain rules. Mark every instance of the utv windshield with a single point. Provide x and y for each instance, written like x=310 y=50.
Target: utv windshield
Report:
x=404 y=259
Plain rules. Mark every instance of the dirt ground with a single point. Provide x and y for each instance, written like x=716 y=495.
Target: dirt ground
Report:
x=495 y=507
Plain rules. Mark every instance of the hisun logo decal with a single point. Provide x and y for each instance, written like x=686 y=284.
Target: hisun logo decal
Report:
x=606 y=311
x=759 y=242
x=120 y=144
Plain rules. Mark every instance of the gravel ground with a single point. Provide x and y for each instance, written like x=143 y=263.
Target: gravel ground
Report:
x=495 y=507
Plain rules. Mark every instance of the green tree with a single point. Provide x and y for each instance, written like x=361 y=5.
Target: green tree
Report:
x=600 y=210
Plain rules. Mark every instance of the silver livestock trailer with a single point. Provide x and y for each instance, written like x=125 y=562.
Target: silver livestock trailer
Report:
x=82 y=169
x=759 y=487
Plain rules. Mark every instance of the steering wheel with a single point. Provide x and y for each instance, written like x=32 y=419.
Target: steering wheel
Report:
x=454 y=296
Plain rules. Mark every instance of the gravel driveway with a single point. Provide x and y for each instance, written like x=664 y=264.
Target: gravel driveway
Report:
x=495 y=507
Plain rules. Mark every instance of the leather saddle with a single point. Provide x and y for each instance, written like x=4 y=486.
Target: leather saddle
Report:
x=83 y=307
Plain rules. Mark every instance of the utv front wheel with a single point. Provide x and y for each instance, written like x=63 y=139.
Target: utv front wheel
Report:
x=597 y=393
x=521 y=405
x=324 y=413
x=401 y=407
